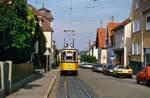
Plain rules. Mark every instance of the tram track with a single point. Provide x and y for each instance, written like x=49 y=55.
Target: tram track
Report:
x=73 y=85
x=65 y=86
x=85 y=90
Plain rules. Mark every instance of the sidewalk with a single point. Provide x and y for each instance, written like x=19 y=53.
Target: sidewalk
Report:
x=38 y=88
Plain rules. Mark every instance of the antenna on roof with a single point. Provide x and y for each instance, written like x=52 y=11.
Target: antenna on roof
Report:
x=112 y=18
x=42 y=3
x=70 y=20
x=101 y=23
x=89 y=43
x=36 y=3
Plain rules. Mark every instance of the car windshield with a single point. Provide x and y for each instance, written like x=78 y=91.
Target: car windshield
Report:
x=97 y=65
x=123 y=67
x=110 y=66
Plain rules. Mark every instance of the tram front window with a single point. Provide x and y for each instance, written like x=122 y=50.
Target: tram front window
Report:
x=69 y=58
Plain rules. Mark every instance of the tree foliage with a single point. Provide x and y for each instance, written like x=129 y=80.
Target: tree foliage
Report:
x=18 y=30
x=88 y=58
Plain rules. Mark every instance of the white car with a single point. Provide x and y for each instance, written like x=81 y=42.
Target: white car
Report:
x=87 y=65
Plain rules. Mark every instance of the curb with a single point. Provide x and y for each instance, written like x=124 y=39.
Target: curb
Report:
x=50 y=87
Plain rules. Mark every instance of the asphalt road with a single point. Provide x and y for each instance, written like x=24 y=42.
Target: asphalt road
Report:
x=110 y=87
x=97 y=85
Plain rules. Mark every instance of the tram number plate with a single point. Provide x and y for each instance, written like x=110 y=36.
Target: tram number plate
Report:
x=69 y=67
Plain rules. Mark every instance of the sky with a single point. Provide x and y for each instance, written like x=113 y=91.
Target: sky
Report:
x=85 y=18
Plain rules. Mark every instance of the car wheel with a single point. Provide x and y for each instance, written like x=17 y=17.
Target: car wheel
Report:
x=116 y=76
x=148 y=82
x=137 y=81
x=130 y=76
x=113 y=75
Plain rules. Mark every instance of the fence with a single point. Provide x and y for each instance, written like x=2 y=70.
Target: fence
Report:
x=13 y=76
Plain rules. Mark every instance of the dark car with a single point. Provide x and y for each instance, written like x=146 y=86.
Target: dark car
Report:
x=108 y=69
x=97 y=68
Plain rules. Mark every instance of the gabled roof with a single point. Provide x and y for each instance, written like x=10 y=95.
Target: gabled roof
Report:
x=111 y=25
x=44 y=9
x=46 y=23
x=47 y=13
x=121 y=24
x=100 y=38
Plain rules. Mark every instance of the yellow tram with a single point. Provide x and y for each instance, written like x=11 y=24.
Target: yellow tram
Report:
x=68 y=61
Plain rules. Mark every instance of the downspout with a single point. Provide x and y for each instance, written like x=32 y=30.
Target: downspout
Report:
x=142 y=39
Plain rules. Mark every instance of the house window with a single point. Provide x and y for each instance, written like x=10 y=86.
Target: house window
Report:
x=148 y=23
x=133 y=49
x=136 y=50
x=136 y=26
x=136 y=4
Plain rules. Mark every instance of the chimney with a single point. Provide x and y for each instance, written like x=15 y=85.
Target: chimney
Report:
x=112 y=18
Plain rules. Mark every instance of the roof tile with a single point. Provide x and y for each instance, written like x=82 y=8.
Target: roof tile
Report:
x=101 y=35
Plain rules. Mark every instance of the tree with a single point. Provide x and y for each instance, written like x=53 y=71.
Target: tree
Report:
x=17 y=30
x=88 y=58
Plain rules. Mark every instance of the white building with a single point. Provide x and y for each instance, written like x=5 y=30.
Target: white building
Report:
x=93 y=51
x=122 y=42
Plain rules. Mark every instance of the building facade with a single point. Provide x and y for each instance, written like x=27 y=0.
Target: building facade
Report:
x=109 y=41
x=101 y=45
x=146 y=36
x=140 y=35
x=93 y=51
x=45 y=19
x=121 y=42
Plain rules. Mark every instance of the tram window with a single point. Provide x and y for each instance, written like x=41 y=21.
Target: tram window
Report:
x=68 y=58
x=63 y=56
x=74 y=56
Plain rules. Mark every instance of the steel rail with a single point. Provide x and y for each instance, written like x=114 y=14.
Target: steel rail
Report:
x=84 y=89
x=65 y=85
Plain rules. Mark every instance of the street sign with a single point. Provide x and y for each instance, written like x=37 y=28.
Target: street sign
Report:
x=47 y=52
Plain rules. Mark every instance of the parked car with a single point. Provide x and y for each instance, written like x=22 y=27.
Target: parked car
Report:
x=108 y=69
x=87 y=65
x=103 y=67
x=144 y=76
x=122 y=70
x=97 y=68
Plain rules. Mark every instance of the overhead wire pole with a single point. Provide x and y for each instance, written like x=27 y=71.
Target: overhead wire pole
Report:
x=70 y=14
x=71 y=31
x=70 y=23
